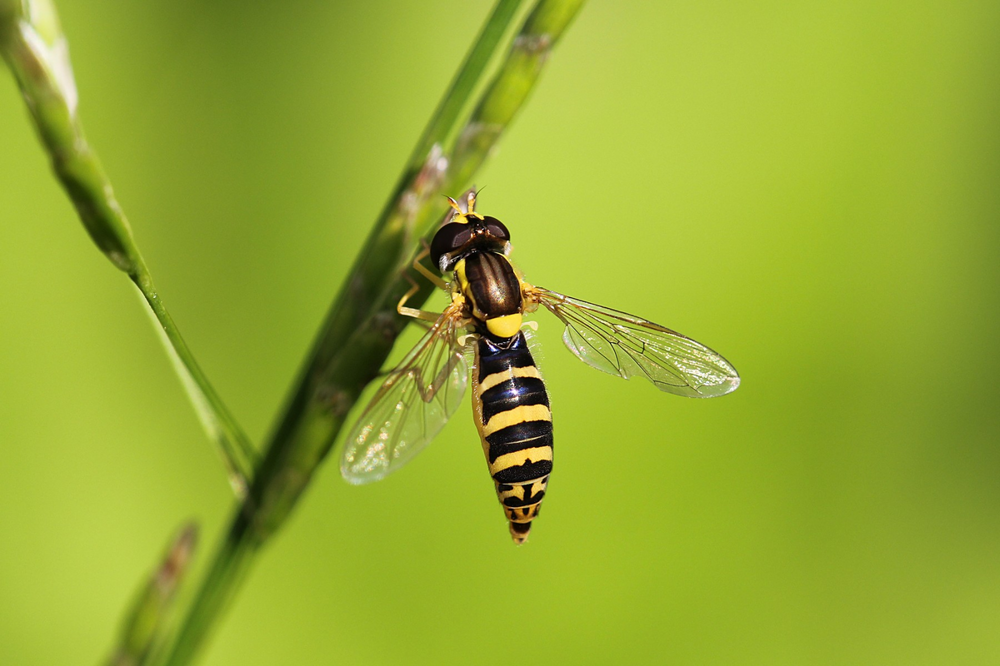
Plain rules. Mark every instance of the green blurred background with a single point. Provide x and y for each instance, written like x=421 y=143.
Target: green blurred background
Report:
x=811 y=189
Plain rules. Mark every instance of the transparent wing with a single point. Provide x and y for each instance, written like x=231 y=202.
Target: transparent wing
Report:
x=410 y=408
x=627 y=346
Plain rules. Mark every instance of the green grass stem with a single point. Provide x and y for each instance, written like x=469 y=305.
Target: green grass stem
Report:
x=362 y=325
x=34 y=47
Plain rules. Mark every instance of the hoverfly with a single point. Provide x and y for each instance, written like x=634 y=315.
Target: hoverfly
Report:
x=509 y=401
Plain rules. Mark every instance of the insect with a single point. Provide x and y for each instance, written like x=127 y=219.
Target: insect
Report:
x=509 y=402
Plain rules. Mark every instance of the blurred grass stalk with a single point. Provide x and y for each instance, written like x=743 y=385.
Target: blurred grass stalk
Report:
x=35 y=49
x=143 y=622
x=362 y=324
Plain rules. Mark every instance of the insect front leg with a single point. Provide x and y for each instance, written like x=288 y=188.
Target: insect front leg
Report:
x=420 y=268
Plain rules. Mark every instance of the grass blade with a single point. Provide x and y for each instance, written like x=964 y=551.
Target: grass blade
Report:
x=35 y=49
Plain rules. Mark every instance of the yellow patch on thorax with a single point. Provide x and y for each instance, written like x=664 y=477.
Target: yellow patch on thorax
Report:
x=463 y=282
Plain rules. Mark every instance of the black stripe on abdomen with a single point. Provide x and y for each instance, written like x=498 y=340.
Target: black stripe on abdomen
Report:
x=520 y=436
x=500 y=355
x=523 y=473
x=513 y=392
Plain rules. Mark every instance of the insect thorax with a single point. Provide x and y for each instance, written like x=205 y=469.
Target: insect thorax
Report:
x=490 y=284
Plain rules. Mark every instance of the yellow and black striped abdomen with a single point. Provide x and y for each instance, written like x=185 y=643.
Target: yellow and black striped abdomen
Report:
x=512 y=415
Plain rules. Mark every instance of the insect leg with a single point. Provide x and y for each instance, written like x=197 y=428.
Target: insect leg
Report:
x=414 y=312
x=420 y=268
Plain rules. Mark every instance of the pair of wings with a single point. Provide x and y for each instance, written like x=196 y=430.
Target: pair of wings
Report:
x=424 y=390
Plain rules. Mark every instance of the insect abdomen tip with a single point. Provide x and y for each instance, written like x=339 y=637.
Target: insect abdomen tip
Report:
x=519 y=532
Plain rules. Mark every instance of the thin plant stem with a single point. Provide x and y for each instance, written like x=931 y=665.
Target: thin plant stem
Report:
x=362 y=326
x=35 y=49
x=146 y=618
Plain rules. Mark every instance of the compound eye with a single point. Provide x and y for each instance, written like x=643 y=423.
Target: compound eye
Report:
x=452 y=236
x=496 y=228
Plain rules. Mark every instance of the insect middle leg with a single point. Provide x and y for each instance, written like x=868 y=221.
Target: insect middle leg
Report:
x=423 y=315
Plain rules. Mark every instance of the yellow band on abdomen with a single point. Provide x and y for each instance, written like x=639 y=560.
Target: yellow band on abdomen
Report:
x=517 y=415
x=500 y=377
x=518 y=458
